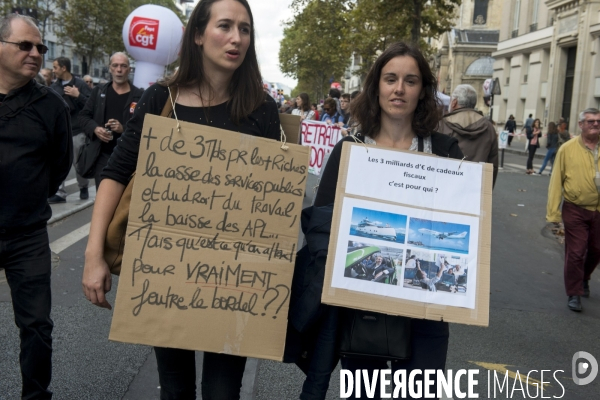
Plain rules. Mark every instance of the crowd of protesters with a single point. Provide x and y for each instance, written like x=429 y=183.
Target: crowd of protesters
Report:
x=48 y=116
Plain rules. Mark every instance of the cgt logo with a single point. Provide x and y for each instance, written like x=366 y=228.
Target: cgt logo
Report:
x=580 y=368
x=143 y=32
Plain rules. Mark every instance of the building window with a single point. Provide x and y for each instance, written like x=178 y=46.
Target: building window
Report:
x=515 y=30
x=480 y=12
x=51 y=50
x=534 y=16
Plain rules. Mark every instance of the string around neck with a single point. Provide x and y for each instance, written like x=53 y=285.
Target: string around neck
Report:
x=283 y=139
x=173 y=104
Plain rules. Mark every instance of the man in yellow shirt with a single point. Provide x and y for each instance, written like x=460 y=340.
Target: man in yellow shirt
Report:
x=576 y=178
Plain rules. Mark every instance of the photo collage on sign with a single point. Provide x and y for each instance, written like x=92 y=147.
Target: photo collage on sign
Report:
x=412 y=253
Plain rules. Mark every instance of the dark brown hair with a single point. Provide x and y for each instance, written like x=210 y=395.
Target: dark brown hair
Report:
x=331 y=103
x=552 y=128
x=365 y=108
x=246 y=86
x=305 y=101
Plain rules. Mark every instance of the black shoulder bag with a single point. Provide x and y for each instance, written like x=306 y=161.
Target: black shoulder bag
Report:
x=367 y=334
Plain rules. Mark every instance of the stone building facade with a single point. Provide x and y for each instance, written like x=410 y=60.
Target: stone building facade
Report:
x=547 y=60
x=464 y=53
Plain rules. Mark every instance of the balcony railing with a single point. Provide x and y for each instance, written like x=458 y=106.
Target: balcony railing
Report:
x=514 y=33
x=533 y=27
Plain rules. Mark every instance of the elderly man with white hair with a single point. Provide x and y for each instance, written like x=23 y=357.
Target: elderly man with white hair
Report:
x=476 y=135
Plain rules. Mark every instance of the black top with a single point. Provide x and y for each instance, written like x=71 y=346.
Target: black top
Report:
x=36 y=152
x=75 y=103
x=115 y=103
x=441 y=145
x=510 y=126
x=263 y=122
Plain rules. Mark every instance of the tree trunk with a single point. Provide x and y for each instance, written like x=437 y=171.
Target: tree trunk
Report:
x=415 y=31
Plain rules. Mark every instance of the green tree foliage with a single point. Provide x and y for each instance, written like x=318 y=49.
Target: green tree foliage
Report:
x=315 y=46
x=376 y=24
x=94 y=26
x=170 y=4
x=46 y=11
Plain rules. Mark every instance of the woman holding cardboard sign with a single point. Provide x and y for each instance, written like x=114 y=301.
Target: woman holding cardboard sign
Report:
x=397 y=109
x=218 y=84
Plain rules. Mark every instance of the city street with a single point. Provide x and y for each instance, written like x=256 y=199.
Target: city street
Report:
x=530 y=328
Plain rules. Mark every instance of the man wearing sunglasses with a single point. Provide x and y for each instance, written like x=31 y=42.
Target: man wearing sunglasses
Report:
x=576 y=180
x=36 y=154
x=75 y=92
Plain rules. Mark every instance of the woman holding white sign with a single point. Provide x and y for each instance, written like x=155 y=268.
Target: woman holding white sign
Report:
x=218 y=84
x=397 y=109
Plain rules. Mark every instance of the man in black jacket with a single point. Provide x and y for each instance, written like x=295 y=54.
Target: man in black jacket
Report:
x=36 y=155
x=107 y=111
x=75 y=92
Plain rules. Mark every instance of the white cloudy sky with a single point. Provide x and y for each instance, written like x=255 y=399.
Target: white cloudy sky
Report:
x=268 y=16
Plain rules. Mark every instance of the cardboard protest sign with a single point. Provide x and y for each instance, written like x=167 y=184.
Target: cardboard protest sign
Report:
x=291 y=126
x=211 y=241
x=321 y=137
x=411 y=235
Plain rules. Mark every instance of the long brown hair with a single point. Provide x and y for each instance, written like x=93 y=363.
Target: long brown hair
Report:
x=552 y=128
x=246 y=87
x=305 y=102
x=365 y=108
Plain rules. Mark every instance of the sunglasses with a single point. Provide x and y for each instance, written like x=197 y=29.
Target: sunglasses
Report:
x=88 y=81
x=27 y=46
x=592 y=122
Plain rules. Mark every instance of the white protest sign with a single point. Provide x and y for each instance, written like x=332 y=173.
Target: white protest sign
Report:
x=409 y=178
x=503 y=139
x=321 y=137
x=411 y=235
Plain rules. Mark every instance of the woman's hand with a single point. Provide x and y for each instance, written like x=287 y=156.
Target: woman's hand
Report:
x=97 y=280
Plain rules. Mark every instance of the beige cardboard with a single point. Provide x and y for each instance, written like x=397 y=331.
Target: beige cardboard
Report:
x=388 y=305
x=291 y=127
x=211 y=270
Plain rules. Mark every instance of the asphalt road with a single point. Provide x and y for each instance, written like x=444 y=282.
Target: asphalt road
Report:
x=530 y=325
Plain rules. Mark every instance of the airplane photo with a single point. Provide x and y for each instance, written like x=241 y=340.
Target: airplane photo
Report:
x=443 y=235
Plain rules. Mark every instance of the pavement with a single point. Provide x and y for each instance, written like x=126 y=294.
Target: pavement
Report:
x=530 y=325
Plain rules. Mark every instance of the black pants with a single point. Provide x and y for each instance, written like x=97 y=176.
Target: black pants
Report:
x=510 y=138
x=221 y=375
x=532 y=150
x=26 y=261
x=429 y=346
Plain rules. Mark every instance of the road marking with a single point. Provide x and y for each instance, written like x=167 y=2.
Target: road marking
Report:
x=70 y=239
x=502 y=369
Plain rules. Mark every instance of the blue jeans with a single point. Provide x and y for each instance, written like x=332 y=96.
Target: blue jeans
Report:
x=549 y=157
x=26 y=261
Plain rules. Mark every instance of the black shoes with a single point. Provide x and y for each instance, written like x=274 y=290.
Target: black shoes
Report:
x=83 y=194
x=574 y=303
x=56 y=199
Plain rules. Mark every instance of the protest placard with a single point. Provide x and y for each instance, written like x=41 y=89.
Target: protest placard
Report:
x=411 y=235
x=321 y=138
x=291 y=126
x=211 y=241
